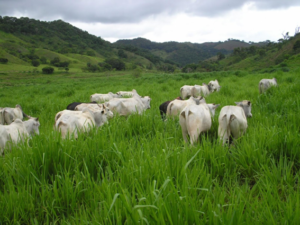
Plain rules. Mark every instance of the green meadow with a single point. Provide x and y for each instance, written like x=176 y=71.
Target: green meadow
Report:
x=138 y=170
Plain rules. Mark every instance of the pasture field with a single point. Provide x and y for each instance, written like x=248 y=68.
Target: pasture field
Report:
x=139 y=170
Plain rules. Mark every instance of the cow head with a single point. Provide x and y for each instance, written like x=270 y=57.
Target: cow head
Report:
x=212 y=108
x=32 y=126
x=246 y=105
x=146 y=102
x=214 y=86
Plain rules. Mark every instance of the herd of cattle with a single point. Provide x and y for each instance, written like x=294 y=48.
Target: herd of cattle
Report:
x=195 y=115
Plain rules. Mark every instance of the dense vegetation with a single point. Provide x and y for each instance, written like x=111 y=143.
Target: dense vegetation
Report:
x=138 y=170
x=270 y=57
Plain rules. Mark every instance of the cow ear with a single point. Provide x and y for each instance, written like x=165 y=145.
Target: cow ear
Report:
x=216 y=105
x=238 y=103
x=37 y=119
x=183 y=114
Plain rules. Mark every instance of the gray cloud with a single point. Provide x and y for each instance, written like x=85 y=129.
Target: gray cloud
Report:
x=127 y=11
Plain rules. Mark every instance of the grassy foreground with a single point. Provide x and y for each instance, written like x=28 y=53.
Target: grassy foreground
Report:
x=139 y=170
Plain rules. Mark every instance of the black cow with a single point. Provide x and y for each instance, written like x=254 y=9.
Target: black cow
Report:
x=163 y=108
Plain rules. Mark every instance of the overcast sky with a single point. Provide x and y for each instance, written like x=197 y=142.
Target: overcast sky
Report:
x=195 y=21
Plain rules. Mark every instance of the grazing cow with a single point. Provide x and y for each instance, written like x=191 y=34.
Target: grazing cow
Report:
x=8 y=115
x=126 y=94
x=265 y=84
x=17 y=131
x=127 y=106
x=214 y=85
x=70 y=122
x=73 y=105
x=186 y=91
x=176 y=106
x=32 y=126
x=195 y=119
x=92 y=107
x=199 y=90
x=103 y=97
x=233 y=121
x=163 y=108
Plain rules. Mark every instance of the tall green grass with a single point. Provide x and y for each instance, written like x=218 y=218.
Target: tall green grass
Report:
x=139 y=170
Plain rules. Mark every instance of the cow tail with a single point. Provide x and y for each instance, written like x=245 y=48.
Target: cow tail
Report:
x=230 y=119
x=181 y=93
x=170 y=109
x=2 y=116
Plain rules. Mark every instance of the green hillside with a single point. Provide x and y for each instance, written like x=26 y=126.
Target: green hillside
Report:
x=185 y=53
x=25 y=40
x=268 y=58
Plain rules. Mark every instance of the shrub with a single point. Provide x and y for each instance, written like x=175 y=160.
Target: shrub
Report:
x=283 y=64
x=35 y=63
x=48 y=70
x=116 y=63
x=137 y=73
x=3 y=60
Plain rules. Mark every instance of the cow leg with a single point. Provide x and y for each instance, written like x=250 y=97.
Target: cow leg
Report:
x=194 y=135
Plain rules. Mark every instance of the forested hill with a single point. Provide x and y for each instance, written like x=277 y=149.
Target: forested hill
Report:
x=22 y=37
x=184 y=53
x=56 y=35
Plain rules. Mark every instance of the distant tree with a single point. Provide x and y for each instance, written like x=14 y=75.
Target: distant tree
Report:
x=286 y=36
x=90 y=53
x=122 y=54
x=3 y=60
x=297 y=30
x=116 y=63
x=296 y=45
x=262 y=52
x=48 y=70
x=35 y=63
x=67 y=69
x=252 y=50
x=220 y=56
x=54 y=61
x=105 y=66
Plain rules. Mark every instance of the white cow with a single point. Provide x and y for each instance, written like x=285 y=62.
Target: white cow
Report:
x=176 y=106
x=126 y=94
x=70 y=122
x=195 y=119
x=199 y=90
x=92 y=107
x=8 y=115
x=103 y=97
x=265 y=84
x=186 y=91
x=214 y=85
x=233 y=121
x=17 y=132
x=127 y=106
